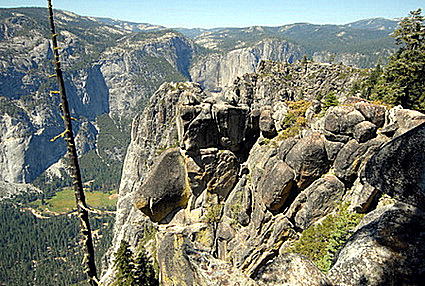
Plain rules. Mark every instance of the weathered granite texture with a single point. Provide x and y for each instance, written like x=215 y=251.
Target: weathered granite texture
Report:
x=251 y=193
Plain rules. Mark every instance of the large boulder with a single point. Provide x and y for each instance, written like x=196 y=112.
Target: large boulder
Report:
x=232 y=123
x=291 y=269
x=285 y=146
x=309 y=159
x=332 y=149
x=202 y=131
x=362 y=196
x=372 y=112
x=347 y=163
x=407 y=119
x=398 y=168
x=388 y=248
x=225 y=175
x=342 y=119
x=399 y=121
x=266 y=123
x=352 y=157
x=276 y=185
x=261 y=157
x=166 y=188
x=319 y=199
x=364 y=131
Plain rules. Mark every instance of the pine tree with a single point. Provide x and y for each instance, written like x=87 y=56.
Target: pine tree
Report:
x=372 y=81
x=124 y=265
x=411 y=32
x=404 y=78
x=330 y=100
x=143 y=272
x=132 y=271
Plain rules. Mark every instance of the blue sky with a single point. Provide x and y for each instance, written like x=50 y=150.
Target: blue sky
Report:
x=231 y=13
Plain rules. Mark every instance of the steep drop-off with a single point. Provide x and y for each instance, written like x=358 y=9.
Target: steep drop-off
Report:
x=108 y=70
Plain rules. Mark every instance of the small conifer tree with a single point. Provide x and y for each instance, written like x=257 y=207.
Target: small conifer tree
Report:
x=123 y=264
x=330 y=100
x=143 y=272
x=133 y=270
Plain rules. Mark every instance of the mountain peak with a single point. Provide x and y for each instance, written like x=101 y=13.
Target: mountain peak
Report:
x=381 y=24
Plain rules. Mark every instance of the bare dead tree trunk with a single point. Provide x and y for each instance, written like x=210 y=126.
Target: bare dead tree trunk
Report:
x=83 y=213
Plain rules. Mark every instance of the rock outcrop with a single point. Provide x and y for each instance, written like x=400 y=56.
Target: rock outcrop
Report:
x=308 y=158
x=318 y=200
x=251 y=197
x=397 y=169
x=166 y=189
x=275 y=82
x=291 y=269
x=386 y=249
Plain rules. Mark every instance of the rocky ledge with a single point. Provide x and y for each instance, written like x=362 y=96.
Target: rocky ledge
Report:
x=250 y=177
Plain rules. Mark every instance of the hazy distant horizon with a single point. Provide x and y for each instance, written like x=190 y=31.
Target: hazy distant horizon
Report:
x=221 y=13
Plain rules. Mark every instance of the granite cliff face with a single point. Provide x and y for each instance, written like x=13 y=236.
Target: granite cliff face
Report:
x=108 y=70
x=218 y=70
x=137 y=64
x=248 y=176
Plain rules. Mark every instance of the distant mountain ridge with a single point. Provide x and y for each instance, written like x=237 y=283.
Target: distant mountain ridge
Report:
x=130 y=26
x=109 y=71
x=312 y=36
x=366 y=24
x=374 y=24
x=370 y=36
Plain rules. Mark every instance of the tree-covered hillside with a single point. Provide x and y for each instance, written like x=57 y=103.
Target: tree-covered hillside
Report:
x=402 y=80
x=370 y=38
x=45 y=251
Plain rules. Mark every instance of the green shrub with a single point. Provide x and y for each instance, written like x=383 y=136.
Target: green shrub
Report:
x=294 y=121
x=321 y=241
x=330 y=100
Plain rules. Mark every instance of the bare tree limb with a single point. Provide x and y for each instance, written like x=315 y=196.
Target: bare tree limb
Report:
x=89 y=261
